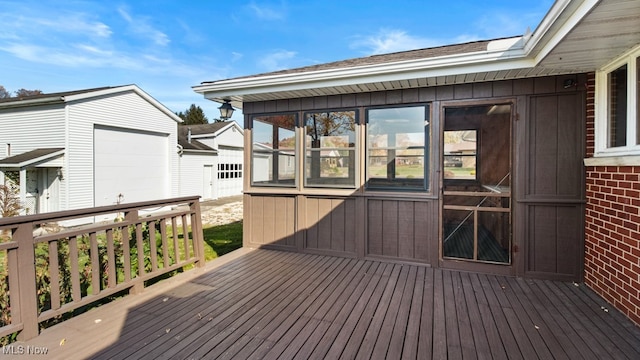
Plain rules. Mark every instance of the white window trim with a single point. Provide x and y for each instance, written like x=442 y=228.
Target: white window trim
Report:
x=602 y=108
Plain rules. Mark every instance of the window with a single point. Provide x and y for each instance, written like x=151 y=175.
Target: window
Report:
x=273 y=150
x=618 y=107
x=397 y=148
x=617 y=86
x=460 y=155
x=229 y=171
x=330 y=149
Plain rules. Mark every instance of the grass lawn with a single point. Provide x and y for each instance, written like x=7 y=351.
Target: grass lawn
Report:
x=221 y=239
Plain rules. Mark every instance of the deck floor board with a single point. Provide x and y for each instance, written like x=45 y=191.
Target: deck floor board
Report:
x=266 y=304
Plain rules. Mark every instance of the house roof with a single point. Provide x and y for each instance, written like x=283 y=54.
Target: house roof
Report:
x=213 y=128
x=77 y=95
x=188 y=143
x=575 y=36
x=30 y=157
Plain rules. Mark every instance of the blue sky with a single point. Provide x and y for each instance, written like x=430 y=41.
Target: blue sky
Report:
x=166 y=47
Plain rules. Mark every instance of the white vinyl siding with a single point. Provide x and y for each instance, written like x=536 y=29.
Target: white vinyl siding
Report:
x=122 y=110
x=191 y=173
x=26 y=130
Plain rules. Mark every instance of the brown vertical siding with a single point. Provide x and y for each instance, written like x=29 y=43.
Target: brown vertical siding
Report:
x=405 y=226
x=402 y=229
x=330 y=224
x=271 y=221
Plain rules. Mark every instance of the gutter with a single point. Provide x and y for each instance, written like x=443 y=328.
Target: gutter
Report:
x=30 y=102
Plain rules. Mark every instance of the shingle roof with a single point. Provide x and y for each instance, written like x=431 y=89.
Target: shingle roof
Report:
x=28 y=156
x=183 y=139
x=201 y=129
x=58 y=94
x=426 y=53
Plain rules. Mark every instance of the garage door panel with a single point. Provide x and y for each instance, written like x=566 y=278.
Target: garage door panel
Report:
x=131 y=163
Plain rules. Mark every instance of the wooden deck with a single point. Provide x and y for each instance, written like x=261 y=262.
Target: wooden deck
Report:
x=270 y=304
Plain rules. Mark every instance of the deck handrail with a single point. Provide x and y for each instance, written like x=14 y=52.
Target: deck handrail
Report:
x=117 y=255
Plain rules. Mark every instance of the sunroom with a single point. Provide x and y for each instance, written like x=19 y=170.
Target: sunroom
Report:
x=468 y=156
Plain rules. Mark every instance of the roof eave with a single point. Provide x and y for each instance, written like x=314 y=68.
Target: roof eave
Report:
x=489 y=60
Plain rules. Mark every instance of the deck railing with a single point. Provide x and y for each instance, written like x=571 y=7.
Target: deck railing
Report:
x=45 y=274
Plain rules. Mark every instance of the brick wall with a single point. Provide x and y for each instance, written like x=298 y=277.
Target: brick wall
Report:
x=612 y=229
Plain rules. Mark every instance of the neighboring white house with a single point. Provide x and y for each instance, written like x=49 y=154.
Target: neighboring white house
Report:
x=88 y=148
x=211 y=160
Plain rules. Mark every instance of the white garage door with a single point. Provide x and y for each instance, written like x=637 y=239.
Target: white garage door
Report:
x=130 y=166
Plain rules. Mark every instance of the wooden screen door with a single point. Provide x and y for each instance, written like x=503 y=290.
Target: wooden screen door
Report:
x=476 y=197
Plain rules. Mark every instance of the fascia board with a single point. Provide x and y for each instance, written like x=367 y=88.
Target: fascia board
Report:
x=29 y=102
x=367 y=74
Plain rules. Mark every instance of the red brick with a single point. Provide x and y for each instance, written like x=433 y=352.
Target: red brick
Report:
x=625 y=184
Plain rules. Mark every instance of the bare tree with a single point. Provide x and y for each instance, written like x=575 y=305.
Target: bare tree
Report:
x=4 y=94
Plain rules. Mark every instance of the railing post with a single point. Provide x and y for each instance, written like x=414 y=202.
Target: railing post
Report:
x=196 y=231
x=28 y=304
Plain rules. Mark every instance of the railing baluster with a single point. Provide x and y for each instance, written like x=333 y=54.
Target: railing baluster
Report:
x=14 y=283
x=165 y=242
x=176 y=248
x=95 y=264
x=111 y=260
x=185 y=237
x=126 y=253
x=153 y=246
x=140 y=247
x=75 y=272
x=54 y=275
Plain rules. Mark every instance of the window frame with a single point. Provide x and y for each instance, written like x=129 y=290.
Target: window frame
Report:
x=355 y=149
x=602 y=107
x=292 y=185
x=426 y=156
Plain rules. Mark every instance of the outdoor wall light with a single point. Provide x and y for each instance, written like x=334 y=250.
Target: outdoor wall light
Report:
x=226 y=110
x=569 y=83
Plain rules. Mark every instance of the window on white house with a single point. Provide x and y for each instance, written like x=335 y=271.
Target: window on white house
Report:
x=618 y=107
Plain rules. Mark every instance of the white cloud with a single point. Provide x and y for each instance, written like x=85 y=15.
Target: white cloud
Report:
x=64 y=23
x=265 y=13
x=391 y=40
x=141 y=26
x=235 y=56
x=274 y=61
